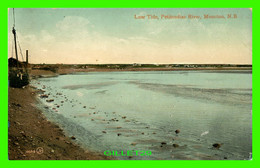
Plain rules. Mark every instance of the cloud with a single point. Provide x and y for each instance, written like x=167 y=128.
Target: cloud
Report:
x=72 y=28
x=73 y=23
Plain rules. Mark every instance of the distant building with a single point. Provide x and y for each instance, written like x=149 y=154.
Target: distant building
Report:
x=136 y=64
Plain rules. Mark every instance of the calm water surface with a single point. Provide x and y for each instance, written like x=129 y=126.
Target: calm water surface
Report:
x=145 y=109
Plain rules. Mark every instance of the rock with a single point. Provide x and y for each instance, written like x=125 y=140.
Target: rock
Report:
x=50 y=100
x=67 y=142
x=133 y=143
x=52 y=151
x=216 y=145
x=16 y=122
x=73 y=137
x=177 y=131
x=23 y=134
x=44 y=96
x=16 y=104
x=175 y=145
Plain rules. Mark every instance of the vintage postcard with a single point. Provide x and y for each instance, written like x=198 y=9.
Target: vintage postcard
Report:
x=130 y=83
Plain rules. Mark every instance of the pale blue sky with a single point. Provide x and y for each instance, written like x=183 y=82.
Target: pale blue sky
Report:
x=113 y=35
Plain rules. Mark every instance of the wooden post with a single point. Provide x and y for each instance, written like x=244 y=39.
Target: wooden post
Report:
x=27 y=57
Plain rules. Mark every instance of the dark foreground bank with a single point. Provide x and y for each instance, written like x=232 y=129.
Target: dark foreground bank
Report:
x=32 y=137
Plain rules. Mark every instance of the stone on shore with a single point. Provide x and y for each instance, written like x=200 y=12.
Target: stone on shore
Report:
x=177 y=131
x=44 y=96
x=216 y=145
x=175 y=145
x=50 y=100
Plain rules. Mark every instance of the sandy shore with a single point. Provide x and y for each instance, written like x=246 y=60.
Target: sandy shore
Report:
x=32 y=137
